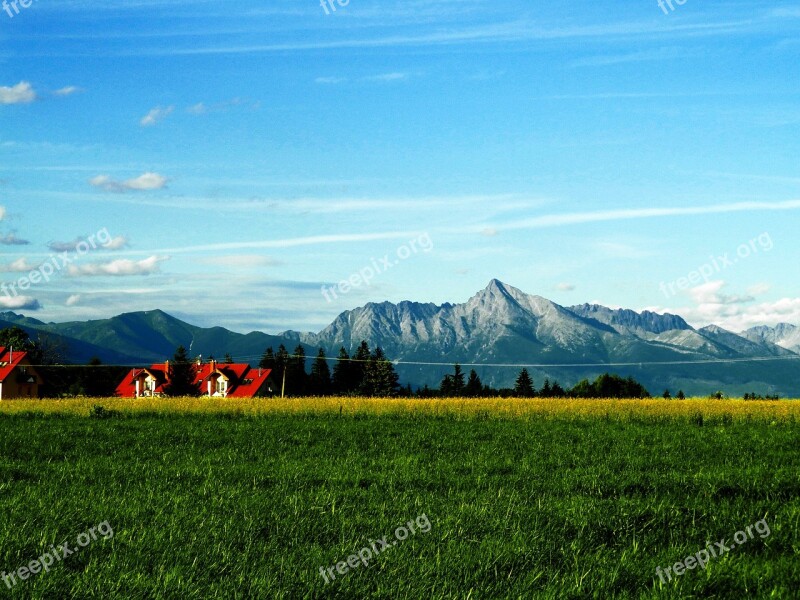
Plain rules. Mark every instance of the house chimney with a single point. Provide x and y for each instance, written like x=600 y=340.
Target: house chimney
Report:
x=213 y=365
x=166 y=367
x=11 y=355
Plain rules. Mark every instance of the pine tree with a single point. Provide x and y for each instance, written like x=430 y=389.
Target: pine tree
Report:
x=383 y=378
x=296 y=376
x=523 y=388
x=267 y=360
x=228 y=359
x=360 y=361
x=458 y=380
x=681 y=395
x=320 y=378
x=446 y=386
x=666 y=395
x=181 y=376
x=474 y=387
x=547 y=391
x=558 y=391
x=343 y=374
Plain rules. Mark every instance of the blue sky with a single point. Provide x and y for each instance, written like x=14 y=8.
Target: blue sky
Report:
x=240 y=156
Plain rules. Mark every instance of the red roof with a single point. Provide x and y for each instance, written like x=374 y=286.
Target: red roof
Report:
x=9 y=363
x=243 y=380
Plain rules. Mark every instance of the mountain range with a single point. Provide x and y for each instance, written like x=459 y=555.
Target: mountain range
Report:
x=497 y=330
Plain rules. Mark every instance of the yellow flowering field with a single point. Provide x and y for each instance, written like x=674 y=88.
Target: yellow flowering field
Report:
x=654 y=408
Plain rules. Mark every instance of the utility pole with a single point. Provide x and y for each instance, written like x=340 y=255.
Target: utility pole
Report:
x=283 y=385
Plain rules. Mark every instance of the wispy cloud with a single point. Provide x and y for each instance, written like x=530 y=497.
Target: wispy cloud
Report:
x=156 y=115
x=118 y=243
x=11 y=239
x=68 y=91
x=669 y=53
x=501 y=32
x=202 y=108
x=144 y=182
x=342 y=238
x=388 y=77
x=22 y=93
x=380 y=78
x=118 y=268
x=331 y=80
x=578 y=218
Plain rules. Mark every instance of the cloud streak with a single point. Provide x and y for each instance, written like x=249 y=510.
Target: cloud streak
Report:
x=580 y=218
x=156 y=115
x=144 y=182
x=11 y=239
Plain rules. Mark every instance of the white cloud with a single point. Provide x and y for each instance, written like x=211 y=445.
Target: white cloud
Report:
x=117 y=243
x=732 y=312
x=118 y=268
x=19 y=303
x=22 y=93
x=2 y=212
x=197 y=109
x=68 y=91
x=156 y=115
x=565 y=287
x=20 y=265
x=144 y=182
x=710 y=294
x=73 y=300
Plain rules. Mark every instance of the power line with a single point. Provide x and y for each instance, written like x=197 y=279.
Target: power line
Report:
x=399 y=362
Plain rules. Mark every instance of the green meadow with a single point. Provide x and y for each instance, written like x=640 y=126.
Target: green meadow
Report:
x=227 y=506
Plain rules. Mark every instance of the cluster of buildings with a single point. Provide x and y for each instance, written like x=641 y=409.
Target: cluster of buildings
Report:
x=20 y=379
x=213 y=379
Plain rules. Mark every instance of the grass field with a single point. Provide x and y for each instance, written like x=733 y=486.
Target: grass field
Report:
x=525 y=499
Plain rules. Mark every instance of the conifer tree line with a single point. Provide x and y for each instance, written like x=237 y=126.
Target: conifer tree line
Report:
x=366 y=373
x=605 y=386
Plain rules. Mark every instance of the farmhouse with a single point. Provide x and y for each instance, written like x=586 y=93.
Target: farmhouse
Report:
x=213 y=379
x=18 y=379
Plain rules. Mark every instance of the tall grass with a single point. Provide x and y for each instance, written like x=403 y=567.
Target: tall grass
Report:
x=527 y=499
